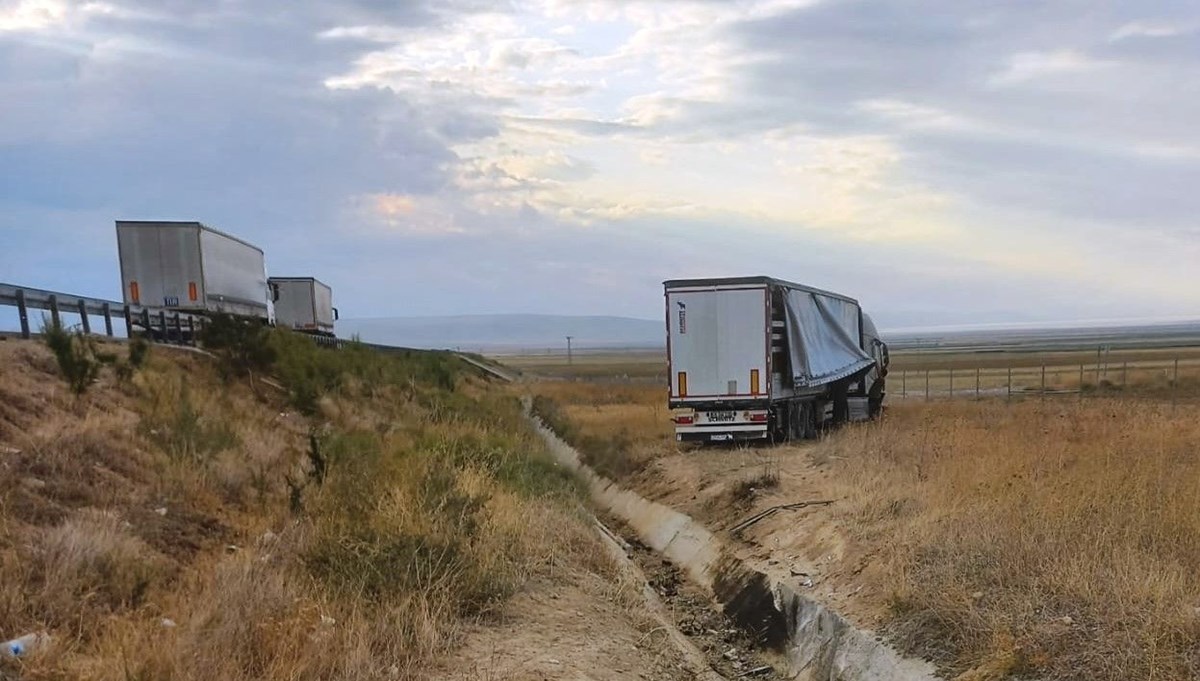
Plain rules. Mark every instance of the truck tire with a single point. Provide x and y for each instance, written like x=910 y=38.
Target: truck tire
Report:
x=807 y=421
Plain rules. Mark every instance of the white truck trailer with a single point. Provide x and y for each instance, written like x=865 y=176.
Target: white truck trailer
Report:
x=303 y=304
x=757 y=358
x=190 y=267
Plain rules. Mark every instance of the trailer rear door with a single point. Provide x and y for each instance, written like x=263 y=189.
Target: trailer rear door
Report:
x=717 y=343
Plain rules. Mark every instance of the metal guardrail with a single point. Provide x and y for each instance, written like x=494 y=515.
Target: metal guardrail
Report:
x=166 y=325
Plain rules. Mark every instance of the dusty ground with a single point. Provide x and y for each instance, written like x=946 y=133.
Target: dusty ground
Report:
x=585 y=628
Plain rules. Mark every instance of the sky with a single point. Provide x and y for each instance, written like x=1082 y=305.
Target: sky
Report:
x=944 y=162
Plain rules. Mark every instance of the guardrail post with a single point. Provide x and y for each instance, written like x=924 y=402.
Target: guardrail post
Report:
x=108 y=320
x=54 y=311
x=146 y=321
x=23 y=312
x=192 y=329
x=83 y=317
x=128 y=321
x=178 y=329
x=162 y=324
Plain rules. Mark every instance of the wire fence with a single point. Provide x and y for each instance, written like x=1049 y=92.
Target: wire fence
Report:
x=1175 y=379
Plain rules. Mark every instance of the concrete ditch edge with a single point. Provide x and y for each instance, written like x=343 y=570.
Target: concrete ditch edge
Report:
x=819 y=644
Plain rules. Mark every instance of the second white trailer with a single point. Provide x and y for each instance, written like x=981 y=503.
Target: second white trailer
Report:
x=303 y=304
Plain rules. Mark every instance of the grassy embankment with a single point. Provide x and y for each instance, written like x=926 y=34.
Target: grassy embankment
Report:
x=1058 y=539
x=279 y=512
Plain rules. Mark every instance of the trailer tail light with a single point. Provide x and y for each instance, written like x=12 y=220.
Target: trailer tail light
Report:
x=754 y=381
x=684 y=420
x=682 y=383
x=758 y=418
x=192 y=293
x=134 y=293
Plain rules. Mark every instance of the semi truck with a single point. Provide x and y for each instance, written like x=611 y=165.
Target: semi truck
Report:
x=759 y=358
x=190 y=267
x=303 y=304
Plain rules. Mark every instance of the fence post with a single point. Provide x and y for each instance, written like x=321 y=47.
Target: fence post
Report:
x=54 y=311
x=146 y=320
x=83 y=317
x=1081 y=381
x=952 y=383
x=23 y=312
x=1124 y=373
x=927 y=385
x=108 y=319
x=1175 y=385
x=178 y=329
x=1043 y=382
x=904 y=383
x=162 y=324
x=976 y=382
x=192 y=329
x=1009 y=396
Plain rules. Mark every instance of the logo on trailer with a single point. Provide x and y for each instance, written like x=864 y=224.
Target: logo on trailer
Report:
x=682 y=317
x=171 y=301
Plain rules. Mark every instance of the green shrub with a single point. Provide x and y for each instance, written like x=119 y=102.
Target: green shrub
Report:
x=243 y=345
x=75 y=353
x=139 y=351
x=184 y=433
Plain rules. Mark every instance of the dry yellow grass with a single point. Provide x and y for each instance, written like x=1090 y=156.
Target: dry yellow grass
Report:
x=1058 y=539
x=1063 y=538
x=180 y=527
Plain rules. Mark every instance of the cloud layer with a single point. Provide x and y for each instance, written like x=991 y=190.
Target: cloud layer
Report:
x=944 y=162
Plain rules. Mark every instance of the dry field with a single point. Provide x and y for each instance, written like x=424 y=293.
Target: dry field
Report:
x=1053 y=539
x=608 y=366
x=351 y=517
x=917 y=373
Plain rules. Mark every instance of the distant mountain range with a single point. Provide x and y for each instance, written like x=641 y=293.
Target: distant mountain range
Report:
x=507 y=332
x=535 y=332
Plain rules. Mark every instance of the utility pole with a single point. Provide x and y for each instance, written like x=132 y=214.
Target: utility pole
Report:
x=570 y=359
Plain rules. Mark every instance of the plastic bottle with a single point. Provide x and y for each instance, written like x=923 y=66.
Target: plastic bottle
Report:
x=24 y=645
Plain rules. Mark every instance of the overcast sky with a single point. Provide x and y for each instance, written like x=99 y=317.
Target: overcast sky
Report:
x=946 y=162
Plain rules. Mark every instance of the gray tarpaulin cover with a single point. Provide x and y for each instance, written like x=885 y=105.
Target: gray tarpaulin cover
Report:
x=823 y=335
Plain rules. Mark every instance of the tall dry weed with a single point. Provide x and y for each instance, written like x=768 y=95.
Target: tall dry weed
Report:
x=1061 y=538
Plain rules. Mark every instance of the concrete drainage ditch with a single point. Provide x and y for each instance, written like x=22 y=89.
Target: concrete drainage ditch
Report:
x=818 y=643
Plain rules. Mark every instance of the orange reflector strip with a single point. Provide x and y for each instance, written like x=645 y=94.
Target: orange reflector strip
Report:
x=682 y=384
x=192 y=294
x=754 y=381
x=134 y=292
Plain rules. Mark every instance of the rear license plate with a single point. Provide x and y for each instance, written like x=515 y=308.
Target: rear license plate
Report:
x=720 y=417
x=720 y=437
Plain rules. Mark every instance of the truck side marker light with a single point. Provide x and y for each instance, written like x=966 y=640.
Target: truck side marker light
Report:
x=754 y=381
x=683 y=384
x=192 y=293
x=134 y=293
